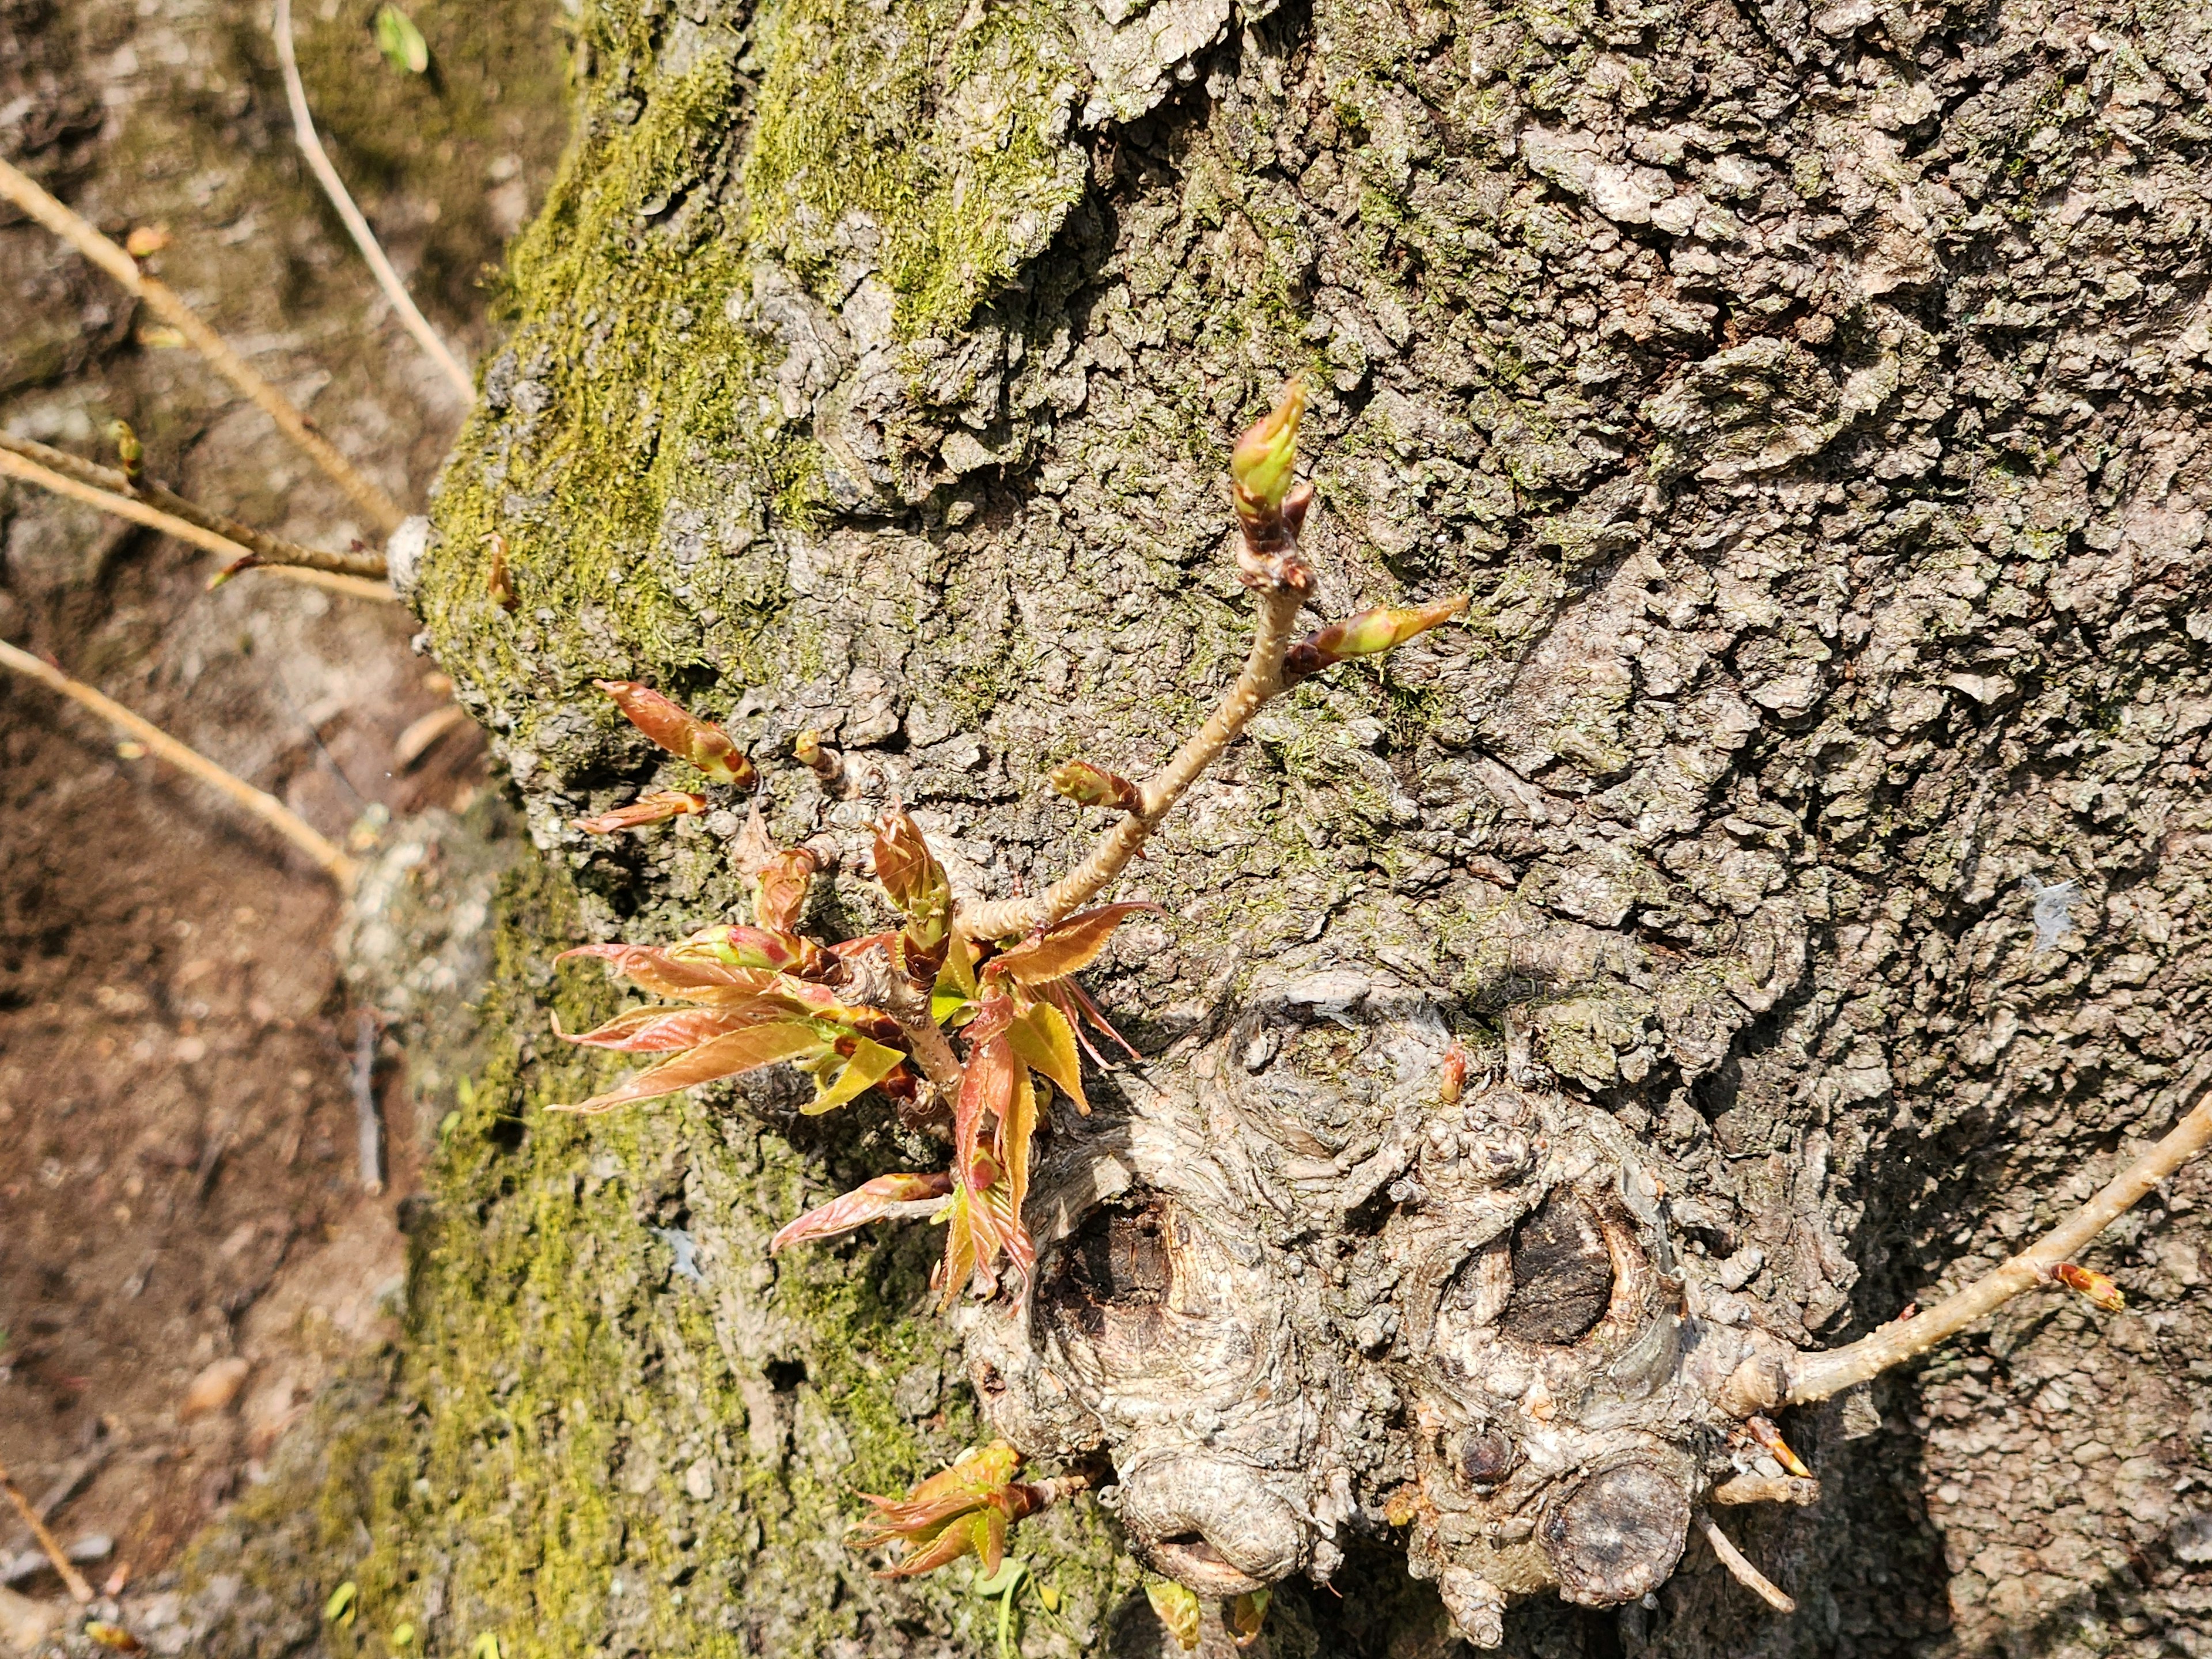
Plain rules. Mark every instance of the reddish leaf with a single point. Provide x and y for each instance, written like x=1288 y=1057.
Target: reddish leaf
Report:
x=735 y=945
x=890 y=1194
x=681 y=733
x=780 y=894
x=653 y=967
x=1066 y=949
x=656 y=808
x=916 y=884
x=661 y=1030
x=1074 y=1001
x=739 y=1052
x=2091 y=1285
x=962 y=1510
x=1016 y=1126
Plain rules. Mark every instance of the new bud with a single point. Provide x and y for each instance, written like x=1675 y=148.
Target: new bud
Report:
x=1366 y=634
x=1090 y=786
x=1259 y=466
x=128 y=449
x=681 y=733
x=808 y=749
x=656 y=808
x=1178 y=1609
x=915 y=882
x=2093 y=1285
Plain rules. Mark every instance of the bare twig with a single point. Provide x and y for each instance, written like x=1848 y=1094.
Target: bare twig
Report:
x=1269 y=513
x=303 y=129
x=1261 y=680
x=266 y=807
x=1817 y=1375
x=163 y=300
x=1766 y=1489
x=1746 y=1574
x=145 y=502
x=79 y=1591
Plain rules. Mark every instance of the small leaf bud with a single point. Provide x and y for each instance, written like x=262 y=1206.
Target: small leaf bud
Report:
x=1090 y=786
x=2084 y=1282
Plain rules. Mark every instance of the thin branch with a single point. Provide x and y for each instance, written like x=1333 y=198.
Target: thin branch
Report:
x=80 y=1592
x=266 y=807
x=303 y=129
x=160 y=298
x=1746 y=1574
x=145 y=502
x=1261 y=680
x=1765 y=1489
x=1817 y=1375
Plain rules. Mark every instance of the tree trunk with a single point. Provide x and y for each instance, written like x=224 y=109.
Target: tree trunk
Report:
x=1803 y=836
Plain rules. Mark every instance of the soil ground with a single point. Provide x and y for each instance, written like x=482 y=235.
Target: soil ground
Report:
x=181 y=1179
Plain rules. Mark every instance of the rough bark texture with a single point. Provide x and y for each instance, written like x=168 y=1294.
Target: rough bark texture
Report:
x=1806 y=398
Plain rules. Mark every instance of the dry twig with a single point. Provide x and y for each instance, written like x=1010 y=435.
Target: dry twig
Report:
x=1746 y=1574
x=266 y=807
x=303 y=129
x=1816 y=1376
x=79 y=1591
x=163 y=300
x=142 y=501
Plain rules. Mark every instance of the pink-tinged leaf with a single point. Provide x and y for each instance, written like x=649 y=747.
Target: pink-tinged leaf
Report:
x=681 y=733
x=780 y=894
x=869 y=1064
x=987 y=1085
x=888 y=1195
x=1066 y=949
x=733 y=1055
x=656 y=808
x=1044 y=1041
x=735 y=945
x=1073 y=1000
x=665 y=975
x=661 y=1030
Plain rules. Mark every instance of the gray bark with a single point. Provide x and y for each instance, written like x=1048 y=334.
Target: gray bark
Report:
x=1807 y=834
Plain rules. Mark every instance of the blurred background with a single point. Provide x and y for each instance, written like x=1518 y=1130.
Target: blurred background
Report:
x=188 y=1246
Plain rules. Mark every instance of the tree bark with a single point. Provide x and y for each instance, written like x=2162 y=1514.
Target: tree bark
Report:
x=1806 y=833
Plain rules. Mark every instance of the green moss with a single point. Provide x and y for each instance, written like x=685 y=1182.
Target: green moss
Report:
x=563 y=1399
x=945 y=127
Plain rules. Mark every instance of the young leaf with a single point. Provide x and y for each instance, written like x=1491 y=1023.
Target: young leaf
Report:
x=961 y=1510
x=1017 y=1128
x=888 y=1194
x=662 y=1030
x=739 y=1052
x=733 y=944
x=1178 y=1609
x=400 y=42
x=656 y=808
x=665 y=975
x=1090 y=786
x=1045 y=1042
x=682 y=733
x=780 y=893
x=2093 y=1285
x=1068 y=948
x=916 y=883
x=1247 y=1613
x=869 y=1064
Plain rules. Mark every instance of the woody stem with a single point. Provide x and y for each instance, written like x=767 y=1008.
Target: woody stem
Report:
x=1817 y=1375
x=1261 y=680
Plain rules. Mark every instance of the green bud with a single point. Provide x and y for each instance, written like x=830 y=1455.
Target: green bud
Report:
x=128 y=449
x=1259 y=466
x=1090 y=786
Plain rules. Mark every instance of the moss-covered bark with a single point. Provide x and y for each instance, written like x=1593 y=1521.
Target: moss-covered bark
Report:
x=1805 y=400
